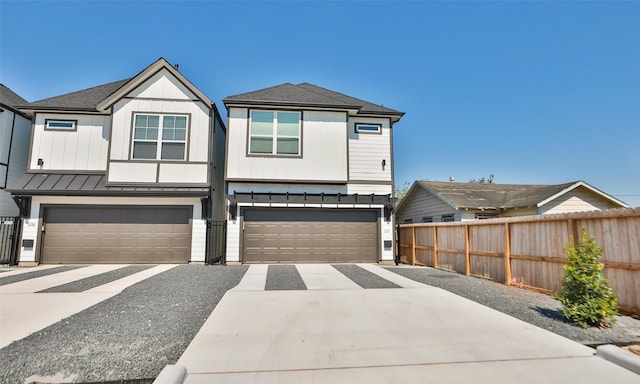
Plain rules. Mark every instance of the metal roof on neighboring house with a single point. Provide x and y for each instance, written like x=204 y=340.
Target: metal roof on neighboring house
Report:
x=306 y=94
x=501 y=196
x=92 y=185
x=84 y=100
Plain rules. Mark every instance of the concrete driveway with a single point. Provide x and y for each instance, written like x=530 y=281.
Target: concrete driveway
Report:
x=344 y=327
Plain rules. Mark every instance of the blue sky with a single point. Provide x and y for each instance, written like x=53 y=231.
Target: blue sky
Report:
x=532 y=92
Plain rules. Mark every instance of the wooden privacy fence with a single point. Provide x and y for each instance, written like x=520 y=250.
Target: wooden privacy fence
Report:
x=529 y=251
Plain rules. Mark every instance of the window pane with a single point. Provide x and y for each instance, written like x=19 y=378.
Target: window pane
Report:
x=180 y=134
x=173 y=151
x=169 y=122
x=168 y=133
x=181 y=122
x=288 y=124
x=142 y=150
x=153 y=121
x=261 y=123
x=141 y=121
x=152 y=133
x=140 y=133
x=287 y=146
x=261 y=145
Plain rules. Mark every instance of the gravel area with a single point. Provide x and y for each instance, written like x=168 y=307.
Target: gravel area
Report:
x=32 y=275
x=364 y=278
x=284 y=278
x=535 y=308
x=95 y=281
x=132 y=335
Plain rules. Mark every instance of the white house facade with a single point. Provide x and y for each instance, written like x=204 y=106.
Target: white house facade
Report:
x=15 y=133
x=126 y=172
x=309 y=176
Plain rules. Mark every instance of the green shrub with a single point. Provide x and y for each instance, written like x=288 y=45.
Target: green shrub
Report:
x=586 y=297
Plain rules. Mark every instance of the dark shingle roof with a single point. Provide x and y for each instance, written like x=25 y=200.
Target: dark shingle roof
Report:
x=84 y=100
x=306 y=94
x=10 y=98
x=493 y=196
x=73 y=184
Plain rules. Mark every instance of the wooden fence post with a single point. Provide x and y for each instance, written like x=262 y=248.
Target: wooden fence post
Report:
x=467 y=261
x=507 y=254
x=435 y=247
x=413 y=245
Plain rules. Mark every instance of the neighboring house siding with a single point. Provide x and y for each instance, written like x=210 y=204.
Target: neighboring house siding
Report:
x=577 y=200
x=368 y=150
x=423 y=204
x=323 y=151
x=519 y=212
x=82 y=149
x=145 y=99
x=13 y=161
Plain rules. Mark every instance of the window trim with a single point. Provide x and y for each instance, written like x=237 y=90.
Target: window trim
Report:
x=359 y=128
x=73 y=128
x=274 y=137
x=159 y=139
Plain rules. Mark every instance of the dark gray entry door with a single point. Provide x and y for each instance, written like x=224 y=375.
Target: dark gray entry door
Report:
x=310 y=236
x=104 y=235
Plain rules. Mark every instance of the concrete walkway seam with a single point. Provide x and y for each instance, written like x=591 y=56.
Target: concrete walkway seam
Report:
x=171 y=374
x=620 y=357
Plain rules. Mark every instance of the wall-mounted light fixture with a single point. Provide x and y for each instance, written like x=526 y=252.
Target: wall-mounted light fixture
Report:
x=384 y=163
x=40 y=162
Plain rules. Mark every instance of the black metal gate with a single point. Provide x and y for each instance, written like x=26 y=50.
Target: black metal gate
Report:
x=217 y=246
x=9 y=237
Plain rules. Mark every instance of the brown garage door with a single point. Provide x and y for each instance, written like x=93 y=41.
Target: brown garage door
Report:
x=310 y=236
x=116 y=235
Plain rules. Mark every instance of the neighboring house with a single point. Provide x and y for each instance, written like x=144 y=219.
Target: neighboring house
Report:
x=15 y=133
x=125 y=172
x=309 y=176
x=433 y=201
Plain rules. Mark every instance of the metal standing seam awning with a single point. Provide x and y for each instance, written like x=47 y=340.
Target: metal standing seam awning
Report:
x=312 y=199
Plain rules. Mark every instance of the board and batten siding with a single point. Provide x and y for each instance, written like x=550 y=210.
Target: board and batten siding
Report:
x=366 y=189
x=577 y=200
x=324 y=150
x=368 y=150
x=421 y=203
x=83 y=149
x=13 y=160
x=162 y=94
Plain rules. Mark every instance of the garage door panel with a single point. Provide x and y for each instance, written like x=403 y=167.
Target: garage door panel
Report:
x=116 y=235
x=310 y=236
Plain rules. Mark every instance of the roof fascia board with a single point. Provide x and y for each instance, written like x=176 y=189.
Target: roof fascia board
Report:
x=585 y=185
x=145 y=75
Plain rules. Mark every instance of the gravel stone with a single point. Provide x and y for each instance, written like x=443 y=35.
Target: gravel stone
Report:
x=364 y=278
x=130 y=336
x=533 y=307
x=95 y=281
x=284 y=278
x=32 y=275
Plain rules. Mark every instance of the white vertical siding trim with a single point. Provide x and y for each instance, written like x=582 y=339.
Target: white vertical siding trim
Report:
x=324 y=150
x=367 y=150
x=132 y=172
x=30 y=231
x=82 y=149
x=233 y=240
x=198 y=240
x=183 y=173
x=388 y=235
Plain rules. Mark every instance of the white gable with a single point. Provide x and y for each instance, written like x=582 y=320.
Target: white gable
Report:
x=162 y=85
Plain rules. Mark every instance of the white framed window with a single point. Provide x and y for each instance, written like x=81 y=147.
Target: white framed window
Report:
x=159 y=137
x=60 y=125
x=368 y=128
x=274 y=133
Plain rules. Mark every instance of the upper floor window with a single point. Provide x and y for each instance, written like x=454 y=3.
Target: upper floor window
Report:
x=159 y=137
x=274 y=133
x=61 y=125
x=368 y=128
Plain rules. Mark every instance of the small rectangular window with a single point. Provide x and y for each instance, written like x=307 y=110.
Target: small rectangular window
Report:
x=447 y=218
x=368 y=128
x=408 y=221
x=60 y=125
x=427 y=219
